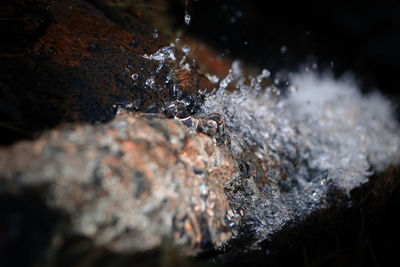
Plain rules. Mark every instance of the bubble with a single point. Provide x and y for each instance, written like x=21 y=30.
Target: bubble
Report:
x=283 y=49
x=135 y=76
x=155 y=35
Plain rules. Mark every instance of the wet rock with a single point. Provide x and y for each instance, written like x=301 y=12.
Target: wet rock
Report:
x=152 y=158
x=85 y=62
x=214 y=126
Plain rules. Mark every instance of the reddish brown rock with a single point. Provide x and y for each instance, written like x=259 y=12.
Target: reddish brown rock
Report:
x=130 y=183
x=81 y=60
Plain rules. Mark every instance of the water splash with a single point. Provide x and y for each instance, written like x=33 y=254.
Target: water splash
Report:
x=321 y=133
x=163 y=54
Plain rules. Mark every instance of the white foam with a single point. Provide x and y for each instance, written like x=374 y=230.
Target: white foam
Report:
x=322 y=132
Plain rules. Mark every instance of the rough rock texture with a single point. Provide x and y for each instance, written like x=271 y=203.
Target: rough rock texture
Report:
x=129 y=183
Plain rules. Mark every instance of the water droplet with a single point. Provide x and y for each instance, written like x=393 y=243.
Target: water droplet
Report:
x=186 y=49
x=187 y=19
x=212 y=78
x=155 y=35
x=264 y=74
x=135 y=76
x=186 y=67
x=224 y=83
x=245 y=42
x=150 y=83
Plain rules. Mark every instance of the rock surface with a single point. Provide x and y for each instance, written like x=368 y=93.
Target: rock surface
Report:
x=129 y=183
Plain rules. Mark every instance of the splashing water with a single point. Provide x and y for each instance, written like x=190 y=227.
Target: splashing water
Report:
x=322 y=133
x=319 y=134
x=187 y=19
x=161 y=55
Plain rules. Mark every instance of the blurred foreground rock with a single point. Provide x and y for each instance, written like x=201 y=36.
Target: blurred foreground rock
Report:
x=129 y=183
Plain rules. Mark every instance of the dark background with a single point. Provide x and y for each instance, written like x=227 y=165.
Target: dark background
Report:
x=360 y=37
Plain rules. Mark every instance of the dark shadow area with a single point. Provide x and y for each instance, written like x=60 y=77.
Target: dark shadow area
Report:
x=26 y=228
x=32 y=234
x=357 y=36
